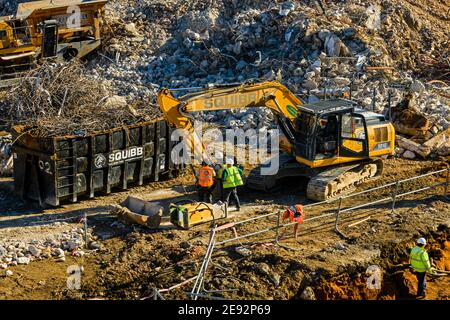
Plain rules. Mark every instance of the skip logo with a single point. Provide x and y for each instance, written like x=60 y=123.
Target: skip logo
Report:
x=122 y=155
x=117 y=157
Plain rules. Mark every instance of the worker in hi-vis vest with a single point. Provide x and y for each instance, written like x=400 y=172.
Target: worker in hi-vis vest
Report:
x=205 y=182
x=220 y=167
x=419 y=261
x=232 y=177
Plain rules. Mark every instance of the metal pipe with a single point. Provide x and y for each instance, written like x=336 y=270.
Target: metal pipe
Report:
x=340 y=210
x=394 y=196
x=246 y=235
x=278 y=226
x=336 y=227
x=337 y=215
x=447 y=183
x=361 y=221
x=255 y=218
x=85 y=231
x=199 y=280
x=366 y=204
x=419 y=190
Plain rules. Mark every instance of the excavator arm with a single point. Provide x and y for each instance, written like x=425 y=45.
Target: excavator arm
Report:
x=271 y=94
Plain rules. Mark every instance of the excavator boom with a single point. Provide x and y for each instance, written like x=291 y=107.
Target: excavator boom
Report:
x=271 y=94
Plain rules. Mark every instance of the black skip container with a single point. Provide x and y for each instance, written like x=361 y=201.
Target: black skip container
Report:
x=51 y=170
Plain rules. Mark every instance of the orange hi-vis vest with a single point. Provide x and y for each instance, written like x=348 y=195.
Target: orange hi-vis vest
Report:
x=295 y=213
x=206 y=177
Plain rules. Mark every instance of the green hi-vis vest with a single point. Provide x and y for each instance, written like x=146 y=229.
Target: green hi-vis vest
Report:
x=220 y=171
x=233 y=178
x=418 y=258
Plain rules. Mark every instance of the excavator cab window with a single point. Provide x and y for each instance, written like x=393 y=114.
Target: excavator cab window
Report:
x=327 y=136
x=353 y=133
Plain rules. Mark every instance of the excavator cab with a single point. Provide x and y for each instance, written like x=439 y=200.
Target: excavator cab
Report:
x=327 y=130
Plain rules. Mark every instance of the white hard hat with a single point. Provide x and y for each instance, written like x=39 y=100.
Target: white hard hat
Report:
x=230 y=161
x=421 y=241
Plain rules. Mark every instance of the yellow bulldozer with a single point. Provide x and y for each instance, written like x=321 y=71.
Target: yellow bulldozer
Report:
x=59 y=29
x=335 y=144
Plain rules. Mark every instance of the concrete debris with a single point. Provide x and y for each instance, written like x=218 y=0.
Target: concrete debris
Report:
x=13 y=252
x=412 y=146
x=6 y=157
x=440 y=143
x=276 y=279
x=34 y=251
x=3 y=251
x=409 y=154
x=78 y=253
x=417 y=86
x=93 y=245
x=263 y=268
x=58 y=252
x=130 y=28
x=8 y=273
x=23 y=260
x=243 y=251
x=373 y=13
x=308 y=294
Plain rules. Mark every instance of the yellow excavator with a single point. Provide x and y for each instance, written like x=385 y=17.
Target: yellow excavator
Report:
x=333 y=143
x=60 y=29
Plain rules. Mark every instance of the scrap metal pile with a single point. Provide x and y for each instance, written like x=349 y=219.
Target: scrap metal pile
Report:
x=62 y=100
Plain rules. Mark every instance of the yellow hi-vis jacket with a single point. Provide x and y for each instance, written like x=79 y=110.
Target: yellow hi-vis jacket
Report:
x=418 y=259
x=232 y=177
x=220 y=171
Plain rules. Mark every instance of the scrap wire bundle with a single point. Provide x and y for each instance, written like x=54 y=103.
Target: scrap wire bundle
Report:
x=57 y=100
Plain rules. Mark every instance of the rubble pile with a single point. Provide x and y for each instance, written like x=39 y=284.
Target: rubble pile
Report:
x=317 y=53
x=14 y=252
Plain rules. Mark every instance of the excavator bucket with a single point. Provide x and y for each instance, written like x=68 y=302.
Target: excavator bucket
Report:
x=191 y=214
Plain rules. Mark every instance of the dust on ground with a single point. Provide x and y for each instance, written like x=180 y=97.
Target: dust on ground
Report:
x=133 y=260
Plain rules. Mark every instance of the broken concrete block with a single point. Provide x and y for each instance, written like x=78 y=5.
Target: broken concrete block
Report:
x=440 y=143
x=308 y=294
x=408 y=154
x=23 y=260
x=410 y=145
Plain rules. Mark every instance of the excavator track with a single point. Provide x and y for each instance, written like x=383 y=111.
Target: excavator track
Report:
x=342 y=180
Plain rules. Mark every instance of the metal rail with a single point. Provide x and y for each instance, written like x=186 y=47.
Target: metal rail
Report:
x=395 y=196
x=199 y=283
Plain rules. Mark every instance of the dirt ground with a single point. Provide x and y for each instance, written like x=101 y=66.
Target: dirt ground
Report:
x=133 y=261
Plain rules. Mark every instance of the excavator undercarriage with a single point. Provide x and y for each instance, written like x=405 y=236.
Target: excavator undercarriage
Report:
x=323 y=183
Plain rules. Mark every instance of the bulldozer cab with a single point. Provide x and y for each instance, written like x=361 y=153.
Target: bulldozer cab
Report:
x=14 y=33
x=330 y=129
x=5 y=35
